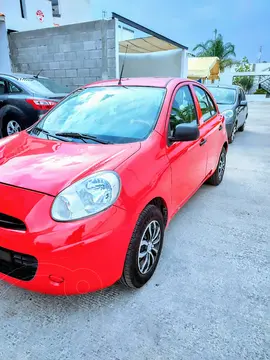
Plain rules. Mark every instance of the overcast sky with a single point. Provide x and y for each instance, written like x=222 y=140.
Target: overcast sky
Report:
x=245 y=23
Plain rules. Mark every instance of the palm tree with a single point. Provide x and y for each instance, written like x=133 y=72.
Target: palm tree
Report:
x=218 y=48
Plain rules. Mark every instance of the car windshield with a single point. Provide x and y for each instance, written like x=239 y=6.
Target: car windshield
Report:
x=43 y=86
x=114 y=114
x=224 y=96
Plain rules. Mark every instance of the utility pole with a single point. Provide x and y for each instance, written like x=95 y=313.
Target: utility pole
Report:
x=260 y=54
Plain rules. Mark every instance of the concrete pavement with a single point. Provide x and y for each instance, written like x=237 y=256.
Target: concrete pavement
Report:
x=208 y=299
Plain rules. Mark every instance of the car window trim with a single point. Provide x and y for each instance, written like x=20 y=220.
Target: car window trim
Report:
x=206 y=91
x=167 y=123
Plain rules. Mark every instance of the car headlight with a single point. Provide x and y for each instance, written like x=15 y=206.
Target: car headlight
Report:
x=86 y=197
x=228 y=114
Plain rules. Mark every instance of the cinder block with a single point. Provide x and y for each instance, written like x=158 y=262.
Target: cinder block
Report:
x=95 y=54
x=54 y=47
x=112 y=73
x=54 y=65
x=71 y=73
x=79 y=81
x=97 y=35
x=111 y=43
x=70 y=56
x=76 y=64
x=65 y=47
x=98 y=44
x=76 y=46
x=83 y=72
x=48 y=73
x=59 y=56
x=60 y=73
x=42 y=49
x=95 y=72
x=111 y=53
x=110 y=34
x=83 y=36
x=111 y=63
x=65 y=64
x=82 y=55
x=47 y=57
x=90 y=64
x=89 y=45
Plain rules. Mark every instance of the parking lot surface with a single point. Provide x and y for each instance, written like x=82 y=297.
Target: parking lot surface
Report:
x=209 y=298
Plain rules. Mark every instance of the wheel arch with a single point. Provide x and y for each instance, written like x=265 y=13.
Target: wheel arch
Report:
x=160 y=203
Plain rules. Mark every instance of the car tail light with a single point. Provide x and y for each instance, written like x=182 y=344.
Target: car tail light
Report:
x=40 y=104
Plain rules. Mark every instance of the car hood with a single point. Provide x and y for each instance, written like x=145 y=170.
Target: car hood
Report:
x=223 y=107
x=50 y=166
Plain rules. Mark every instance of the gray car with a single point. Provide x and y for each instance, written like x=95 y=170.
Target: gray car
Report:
x=232 y=103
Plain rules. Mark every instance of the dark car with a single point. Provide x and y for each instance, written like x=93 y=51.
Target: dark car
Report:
x=24 y=99
x=232 y=103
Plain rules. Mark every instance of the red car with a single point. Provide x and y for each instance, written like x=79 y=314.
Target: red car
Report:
x=87 y=192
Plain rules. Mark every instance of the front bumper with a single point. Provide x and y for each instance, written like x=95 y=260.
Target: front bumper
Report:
x=71 y=258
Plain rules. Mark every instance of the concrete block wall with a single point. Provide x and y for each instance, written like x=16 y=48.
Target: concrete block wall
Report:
x=73 y=55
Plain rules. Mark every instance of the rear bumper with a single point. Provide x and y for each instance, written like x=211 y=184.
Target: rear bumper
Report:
x=72 y=258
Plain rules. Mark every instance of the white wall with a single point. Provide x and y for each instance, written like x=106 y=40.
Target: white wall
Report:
x=172 y=63
x=5 y=65
x=73 y=12
x=14 y=20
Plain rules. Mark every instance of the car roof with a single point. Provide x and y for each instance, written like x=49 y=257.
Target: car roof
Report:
x=224 y=86
x=18 y=76
x=161 y=82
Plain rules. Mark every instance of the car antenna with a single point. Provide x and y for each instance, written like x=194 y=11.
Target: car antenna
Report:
x=36 y=76
x=123 y=65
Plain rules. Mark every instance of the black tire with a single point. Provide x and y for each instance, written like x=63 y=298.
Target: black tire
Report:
x=242 y=128
x=217 y=177
x=232 y=136
x=9 y=118
x=132 y=276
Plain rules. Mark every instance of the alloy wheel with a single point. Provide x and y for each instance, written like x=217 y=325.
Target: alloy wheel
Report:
x=221 y=165
x=13 y=127
x=149 y=247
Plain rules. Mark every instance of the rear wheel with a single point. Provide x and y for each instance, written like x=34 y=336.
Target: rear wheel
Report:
x=217 y=177
x=11 y=126
x=144 y=249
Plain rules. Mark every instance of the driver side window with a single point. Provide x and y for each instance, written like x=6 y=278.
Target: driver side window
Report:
x=183 y=110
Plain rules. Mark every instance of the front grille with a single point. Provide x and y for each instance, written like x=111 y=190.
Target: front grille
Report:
x=9 y=222
x=17 y=265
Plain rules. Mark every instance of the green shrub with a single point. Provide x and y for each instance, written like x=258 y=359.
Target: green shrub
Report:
x=260 y=91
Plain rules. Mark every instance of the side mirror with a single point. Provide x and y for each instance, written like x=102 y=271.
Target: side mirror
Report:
x=184 y=132
x=243 y=103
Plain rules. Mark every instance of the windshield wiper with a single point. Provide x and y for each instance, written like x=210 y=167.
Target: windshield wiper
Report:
x=46 y=133
x=82 y=137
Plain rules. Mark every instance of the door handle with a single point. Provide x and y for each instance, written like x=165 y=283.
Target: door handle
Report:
x=220 y=127
x=203 y=141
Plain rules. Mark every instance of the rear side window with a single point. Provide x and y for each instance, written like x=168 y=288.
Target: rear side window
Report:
x=2 y=87
x=243 y=95
x=183 y=109
x=206 y=104
x=12 y=88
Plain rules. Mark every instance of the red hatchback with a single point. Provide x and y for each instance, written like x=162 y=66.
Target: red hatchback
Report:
x=87 y=192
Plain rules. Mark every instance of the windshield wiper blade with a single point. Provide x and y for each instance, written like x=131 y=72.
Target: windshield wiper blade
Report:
x=46 y=133
x=83 y=137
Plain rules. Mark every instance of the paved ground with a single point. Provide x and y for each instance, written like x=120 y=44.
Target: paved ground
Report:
x=208 y=299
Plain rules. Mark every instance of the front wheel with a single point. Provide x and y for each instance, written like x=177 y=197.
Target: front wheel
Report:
x=217 y=177
x=242 y=128
x=144 y=249
x=232 y=136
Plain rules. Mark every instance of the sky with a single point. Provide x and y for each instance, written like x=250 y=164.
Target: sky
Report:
x=244 y=23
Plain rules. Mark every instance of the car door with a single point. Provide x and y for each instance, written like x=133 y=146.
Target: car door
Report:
x=211 y=124
x=187 y=159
